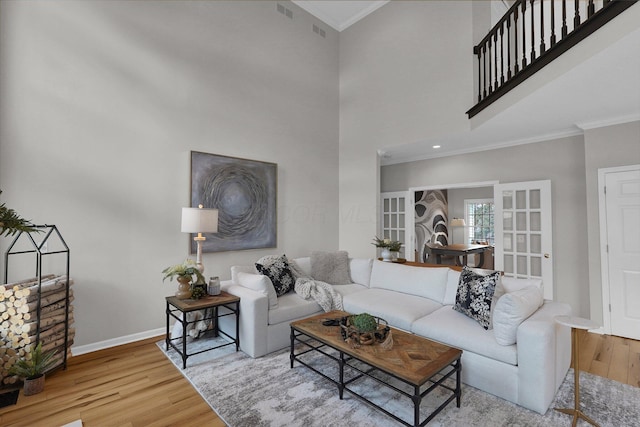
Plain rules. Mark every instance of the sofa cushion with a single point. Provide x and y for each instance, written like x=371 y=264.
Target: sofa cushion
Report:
x=428 y=282
x=457 y=330
x=303 y=264
x=331 y=267
x=453 y=278
x=399 y=309
x=511 y=284
x=259 y=283
x=235 y=269
x=475 y=294
x=511 y=310
x=360 y=269
x=292 y=307
x=276 y=268
x=349 y=289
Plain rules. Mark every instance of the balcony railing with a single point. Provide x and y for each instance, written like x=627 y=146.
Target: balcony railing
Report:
x=532 y=34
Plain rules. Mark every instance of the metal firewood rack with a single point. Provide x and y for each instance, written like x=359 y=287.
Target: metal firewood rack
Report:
x=40 y=248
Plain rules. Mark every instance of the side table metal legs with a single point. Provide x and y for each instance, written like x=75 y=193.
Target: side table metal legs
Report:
x=575 y=411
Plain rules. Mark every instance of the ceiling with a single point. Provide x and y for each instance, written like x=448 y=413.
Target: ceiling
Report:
x=340 y=14
x=601 y=90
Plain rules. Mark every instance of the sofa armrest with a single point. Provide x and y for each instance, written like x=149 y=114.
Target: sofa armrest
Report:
x=254 y=316
x=544 y=356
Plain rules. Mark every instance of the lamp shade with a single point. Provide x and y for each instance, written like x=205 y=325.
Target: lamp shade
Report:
x=458 y=222
x=199 y=220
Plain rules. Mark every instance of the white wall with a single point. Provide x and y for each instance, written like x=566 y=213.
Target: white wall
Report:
x=559 y=160
x=399 y=83
x=605 y=147
x=101 y=104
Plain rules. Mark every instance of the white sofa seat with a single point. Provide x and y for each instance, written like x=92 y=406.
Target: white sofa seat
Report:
x=399 y=309
x=458 y=330
x=345 y=290
x=291 y=306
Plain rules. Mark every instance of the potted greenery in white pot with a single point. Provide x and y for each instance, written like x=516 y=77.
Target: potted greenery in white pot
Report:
x=32 y=367
x=184 y=273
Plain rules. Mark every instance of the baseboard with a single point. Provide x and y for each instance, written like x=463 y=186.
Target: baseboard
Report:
x=101 y=345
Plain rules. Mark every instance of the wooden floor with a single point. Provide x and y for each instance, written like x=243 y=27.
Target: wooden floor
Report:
x=129 y=385
x=609 y=356
x=136 y=385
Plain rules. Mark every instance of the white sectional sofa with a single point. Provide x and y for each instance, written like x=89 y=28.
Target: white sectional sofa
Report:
x=420 y=299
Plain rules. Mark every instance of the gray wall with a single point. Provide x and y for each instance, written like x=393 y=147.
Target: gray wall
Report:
x=101 y=104
x=399 y=83
x=605 y=147
x=561 y=161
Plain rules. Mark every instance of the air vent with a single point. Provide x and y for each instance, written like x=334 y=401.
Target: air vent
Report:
x=285 y=11
x=319 y=31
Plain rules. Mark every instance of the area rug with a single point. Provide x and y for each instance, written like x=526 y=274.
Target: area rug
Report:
x=248 y=392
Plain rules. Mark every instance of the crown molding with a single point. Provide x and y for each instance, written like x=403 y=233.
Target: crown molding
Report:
x=608 y=122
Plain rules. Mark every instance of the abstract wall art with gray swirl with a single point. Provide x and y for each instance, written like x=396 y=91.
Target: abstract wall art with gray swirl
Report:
x=245 y=194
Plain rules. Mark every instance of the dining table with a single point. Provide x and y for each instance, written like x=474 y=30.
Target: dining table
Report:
x=459 y=251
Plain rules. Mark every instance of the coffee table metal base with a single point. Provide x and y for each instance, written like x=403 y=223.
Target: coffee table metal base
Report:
x=349 y=363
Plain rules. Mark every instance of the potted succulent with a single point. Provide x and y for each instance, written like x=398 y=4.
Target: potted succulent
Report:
x=32 y=368
x=184 y=273
x=364 y=329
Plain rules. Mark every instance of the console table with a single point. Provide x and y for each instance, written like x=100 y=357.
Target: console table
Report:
x=210 y=304
x=576 y=323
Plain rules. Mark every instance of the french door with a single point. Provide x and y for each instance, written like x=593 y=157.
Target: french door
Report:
x=523 y=230
x=397 y=217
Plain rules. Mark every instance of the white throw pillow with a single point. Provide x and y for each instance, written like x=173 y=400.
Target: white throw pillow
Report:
x=259 y=283
x=512 y=309
x=235 y=269
x=511 y=284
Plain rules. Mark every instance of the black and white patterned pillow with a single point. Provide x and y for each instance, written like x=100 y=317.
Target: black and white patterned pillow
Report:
x=474 y=295
x=276 y=268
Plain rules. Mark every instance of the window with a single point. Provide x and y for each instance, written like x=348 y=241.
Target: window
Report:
x=478 y=215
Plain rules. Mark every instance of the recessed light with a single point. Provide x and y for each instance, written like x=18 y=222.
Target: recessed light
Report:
x=436 y=146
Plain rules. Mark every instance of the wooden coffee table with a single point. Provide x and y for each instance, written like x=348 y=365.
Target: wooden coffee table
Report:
x=422 y=364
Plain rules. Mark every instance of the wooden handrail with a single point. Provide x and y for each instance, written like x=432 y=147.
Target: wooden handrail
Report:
x=538 y=38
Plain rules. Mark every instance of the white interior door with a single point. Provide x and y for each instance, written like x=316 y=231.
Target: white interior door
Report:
x=396 y=214
x=620 y=249
x=523 y=228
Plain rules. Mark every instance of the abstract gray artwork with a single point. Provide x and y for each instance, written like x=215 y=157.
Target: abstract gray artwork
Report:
x=431 y=219
x=245 y=194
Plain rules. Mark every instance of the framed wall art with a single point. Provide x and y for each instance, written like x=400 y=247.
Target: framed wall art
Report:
x=245 y=194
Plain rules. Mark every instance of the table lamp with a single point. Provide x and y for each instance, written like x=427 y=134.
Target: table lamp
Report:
x=199 y=220
x=457 y=222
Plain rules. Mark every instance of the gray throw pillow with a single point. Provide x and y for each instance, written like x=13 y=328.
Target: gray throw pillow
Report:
x=331 y=267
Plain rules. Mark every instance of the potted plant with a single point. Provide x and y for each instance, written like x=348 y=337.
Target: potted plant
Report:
x=364 y=329
x=11 y=222
x=32 y=368
x=388 y=246
x=184 y=273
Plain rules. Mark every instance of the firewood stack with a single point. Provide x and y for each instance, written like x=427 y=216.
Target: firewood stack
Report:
x=19 y=324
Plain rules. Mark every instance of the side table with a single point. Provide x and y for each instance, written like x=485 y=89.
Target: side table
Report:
x=576 y=323
x=179 y=308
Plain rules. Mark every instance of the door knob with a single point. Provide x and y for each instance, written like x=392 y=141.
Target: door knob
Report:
x=547 y=255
